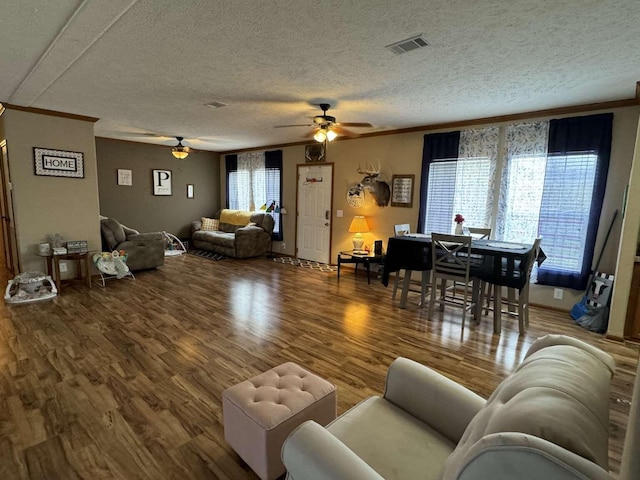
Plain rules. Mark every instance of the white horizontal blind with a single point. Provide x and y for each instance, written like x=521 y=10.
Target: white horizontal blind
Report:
x=457 y=186
x=440 y=196
x=253 y=185
x=565 y=208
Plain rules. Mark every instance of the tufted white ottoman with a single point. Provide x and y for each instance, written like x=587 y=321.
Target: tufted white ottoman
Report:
x=261 y=412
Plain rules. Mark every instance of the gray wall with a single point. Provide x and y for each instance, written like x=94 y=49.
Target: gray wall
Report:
x=136 y=206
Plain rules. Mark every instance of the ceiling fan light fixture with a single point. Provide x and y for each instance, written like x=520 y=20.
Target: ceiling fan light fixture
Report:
x=331 y=135
x=320 y=136
x=179 y=153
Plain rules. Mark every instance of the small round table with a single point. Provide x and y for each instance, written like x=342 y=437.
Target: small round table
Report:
x=366 y=258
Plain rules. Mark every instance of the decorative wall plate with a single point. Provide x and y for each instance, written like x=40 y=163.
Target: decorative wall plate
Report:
x=355 y=197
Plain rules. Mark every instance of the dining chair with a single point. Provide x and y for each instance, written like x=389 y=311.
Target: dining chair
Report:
x=401 y=230
x=477 y=233
x=451 y=260
x=515 y=276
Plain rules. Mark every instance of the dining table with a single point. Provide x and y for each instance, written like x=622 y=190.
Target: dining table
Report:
x=495 y=261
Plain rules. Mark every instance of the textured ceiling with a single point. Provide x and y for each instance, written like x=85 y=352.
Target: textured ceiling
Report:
x=149 y=66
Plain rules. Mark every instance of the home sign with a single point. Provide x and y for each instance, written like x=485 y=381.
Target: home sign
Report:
x=58 y=163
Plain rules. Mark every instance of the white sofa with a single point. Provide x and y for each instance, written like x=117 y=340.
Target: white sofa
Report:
x=547 y=420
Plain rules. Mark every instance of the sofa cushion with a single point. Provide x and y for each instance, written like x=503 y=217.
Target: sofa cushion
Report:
x=391 y=441
x=112 y=232
x=235 y=217
x=569 y=408
x=210 y=224
x=216 y=238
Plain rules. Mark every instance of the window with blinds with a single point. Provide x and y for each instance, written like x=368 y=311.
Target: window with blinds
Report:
x=457 y=186
x=250 y=189
x=565 y=208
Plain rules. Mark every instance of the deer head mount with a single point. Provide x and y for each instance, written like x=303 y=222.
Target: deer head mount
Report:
x=373 y=182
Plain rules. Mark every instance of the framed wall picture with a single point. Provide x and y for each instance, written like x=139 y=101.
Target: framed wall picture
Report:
x=58 y=163
x=189 y=190
x=162 y=182
x=314 y=153
x=402 y=190
x=124 y=177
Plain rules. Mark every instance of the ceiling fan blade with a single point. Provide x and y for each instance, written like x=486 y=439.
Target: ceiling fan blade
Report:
x=298 y=125
x=311 y=133
x=355 y=124
x=343 y=132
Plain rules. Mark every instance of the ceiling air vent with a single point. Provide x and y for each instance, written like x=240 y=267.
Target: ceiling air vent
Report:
x=215 y=104
x=407 y=45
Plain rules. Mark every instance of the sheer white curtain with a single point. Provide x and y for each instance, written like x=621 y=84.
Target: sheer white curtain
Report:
x=522 y=182
x=250 y=182
x=475 y=175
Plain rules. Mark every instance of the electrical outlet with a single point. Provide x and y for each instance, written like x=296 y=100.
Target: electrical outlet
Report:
x=558 y=293
x=284 y=246
x=63 y=267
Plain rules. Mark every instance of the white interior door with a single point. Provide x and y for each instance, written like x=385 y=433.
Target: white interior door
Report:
x=315 y=184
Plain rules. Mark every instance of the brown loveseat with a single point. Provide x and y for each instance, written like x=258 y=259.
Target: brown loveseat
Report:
x=240 y=234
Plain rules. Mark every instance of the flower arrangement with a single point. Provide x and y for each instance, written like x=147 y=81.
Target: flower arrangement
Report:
x=458 y=218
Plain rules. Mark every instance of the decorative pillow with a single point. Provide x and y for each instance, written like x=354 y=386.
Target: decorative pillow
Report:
x=210 y=224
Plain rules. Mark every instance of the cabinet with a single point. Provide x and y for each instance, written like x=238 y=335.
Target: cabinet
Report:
x=632 y=321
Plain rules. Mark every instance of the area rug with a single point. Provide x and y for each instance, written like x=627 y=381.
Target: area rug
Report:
x=206 y=254
x=323 y=267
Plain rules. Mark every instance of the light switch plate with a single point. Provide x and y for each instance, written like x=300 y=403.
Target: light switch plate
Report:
x=339 y=213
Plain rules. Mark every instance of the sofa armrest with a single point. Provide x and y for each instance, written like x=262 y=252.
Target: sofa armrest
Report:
x=431 y=397
x=250 y=230
x=550 y=340
x=144 y=239
x=504 y=456
x=312 y=453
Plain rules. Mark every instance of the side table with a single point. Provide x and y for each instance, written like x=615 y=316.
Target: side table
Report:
x=366 y=259
x=82 y=268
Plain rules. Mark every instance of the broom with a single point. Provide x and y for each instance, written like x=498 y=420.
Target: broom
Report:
x=580 y=308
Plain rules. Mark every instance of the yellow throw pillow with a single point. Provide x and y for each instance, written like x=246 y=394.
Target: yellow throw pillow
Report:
x=210 y=224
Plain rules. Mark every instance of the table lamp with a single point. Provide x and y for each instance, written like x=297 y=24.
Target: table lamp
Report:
x=358 y=226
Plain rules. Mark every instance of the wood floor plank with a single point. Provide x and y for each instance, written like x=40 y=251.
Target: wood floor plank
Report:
x=126 y=381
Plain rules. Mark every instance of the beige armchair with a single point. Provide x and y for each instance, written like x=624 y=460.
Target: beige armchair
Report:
x=547 y=420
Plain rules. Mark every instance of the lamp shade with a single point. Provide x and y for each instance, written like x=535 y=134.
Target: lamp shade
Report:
x=320 y=136
x=358 y=225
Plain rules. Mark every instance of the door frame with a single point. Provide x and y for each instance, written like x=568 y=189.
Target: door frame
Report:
x=307 y=165
x=12 y=263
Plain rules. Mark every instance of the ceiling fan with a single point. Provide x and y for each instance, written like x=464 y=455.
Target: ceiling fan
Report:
x=326 y=127
x=180 y=151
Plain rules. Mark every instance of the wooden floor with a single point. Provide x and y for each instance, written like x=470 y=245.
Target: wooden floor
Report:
x=126 y=381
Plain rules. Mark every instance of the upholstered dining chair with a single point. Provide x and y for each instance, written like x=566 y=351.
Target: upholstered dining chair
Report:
x=451 y=259
x=516 y=277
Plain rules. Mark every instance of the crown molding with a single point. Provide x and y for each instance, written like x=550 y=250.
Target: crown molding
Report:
x=51 y=113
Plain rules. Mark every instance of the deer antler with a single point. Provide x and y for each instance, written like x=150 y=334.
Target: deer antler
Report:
x=371 y=170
